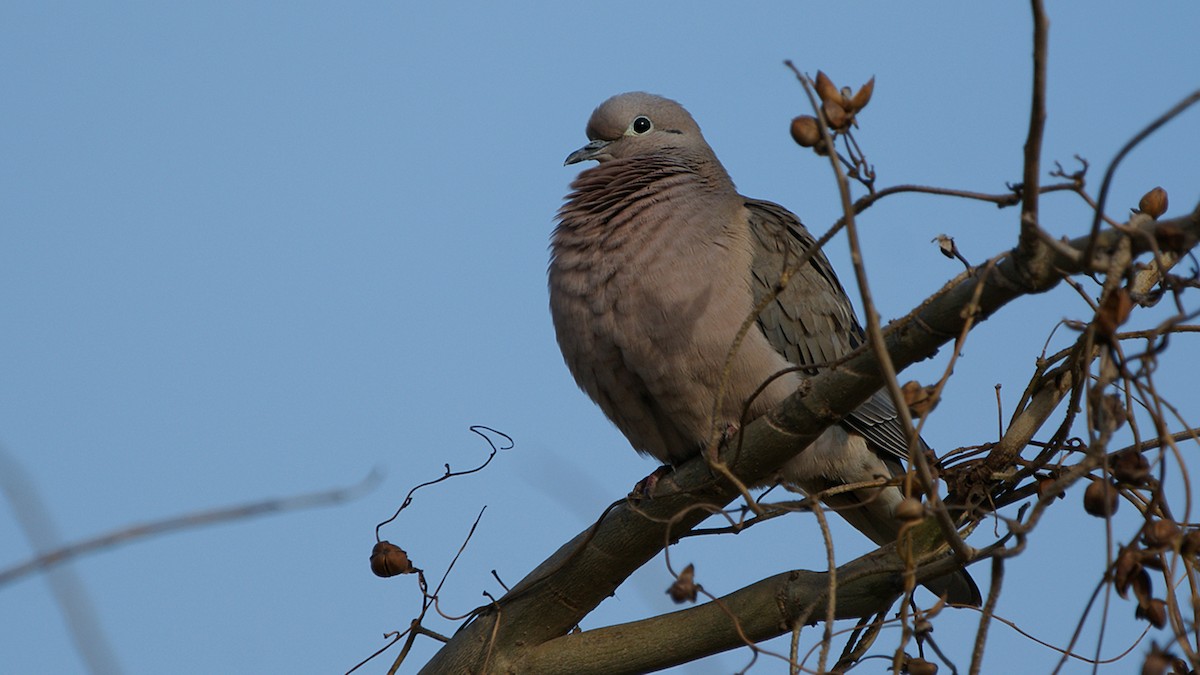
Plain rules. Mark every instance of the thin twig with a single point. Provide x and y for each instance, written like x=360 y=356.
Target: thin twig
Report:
x=478 y=429
x=879 y=347
x=831 y=602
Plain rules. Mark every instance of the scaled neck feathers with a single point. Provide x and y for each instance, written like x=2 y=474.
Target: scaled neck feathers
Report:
x=646 y=188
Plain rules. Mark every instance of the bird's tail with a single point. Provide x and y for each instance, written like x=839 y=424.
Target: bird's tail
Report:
x=872 y=511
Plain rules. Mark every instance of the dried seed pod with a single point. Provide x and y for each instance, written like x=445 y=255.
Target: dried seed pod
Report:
x=1158 y=660
x=684 y=589
x=1045 y=484
x=1154 y=611
x=835 y=115
x=1114 y=310
x=1108 y=412
x=909 y=510
x=863 y=96
x=1130 y=466
x=919 y=666
x=1154 y=203
x=388 y=560
x=1161 y=533
x=1152 y=560
x=826 y=89
x=1127 y=565
x=1100 y=498
x=1191 y=543
x=920 y=399
x=806 y=131
x=1155 y=664
x=1143 y=589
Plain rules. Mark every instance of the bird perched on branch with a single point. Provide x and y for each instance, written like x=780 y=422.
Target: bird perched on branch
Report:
x=656 y=263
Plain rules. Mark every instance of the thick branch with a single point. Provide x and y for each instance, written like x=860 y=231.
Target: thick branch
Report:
x=763 y=610
x=553 y=598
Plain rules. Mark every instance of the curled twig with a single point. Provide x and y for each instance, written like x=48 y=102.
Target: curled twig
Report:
x=476 y=429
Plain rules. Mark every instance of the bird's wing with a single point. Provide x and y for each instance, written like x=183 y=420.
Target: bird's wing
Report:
x=811 y=321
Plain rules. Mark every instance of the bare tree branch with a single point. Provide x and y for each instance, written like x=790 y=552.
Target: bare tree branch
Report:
x=552 y=599
x=866 y=585
x=1033 y=254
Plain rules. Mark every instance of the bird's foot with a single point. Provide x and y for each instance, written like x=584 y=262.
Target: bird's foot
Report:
x=731 y=429
x=646 y=485
x=728 y=431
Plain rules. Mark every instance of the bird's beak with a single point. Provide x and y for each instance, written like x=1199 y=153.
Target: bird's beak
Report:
x=593 y=150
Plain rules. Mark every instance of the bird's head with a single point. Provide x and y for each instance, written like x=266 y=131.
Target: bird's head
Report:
x=638 y=123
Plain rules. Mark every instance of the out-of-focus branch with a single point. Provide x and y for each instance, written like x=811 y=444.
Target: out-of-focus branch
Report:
x=69 y=592
x=187 y=521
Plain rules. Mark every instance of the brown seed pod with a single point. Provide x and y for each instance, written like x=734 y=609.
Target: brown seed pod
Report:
x=684 y=589
x=1158 y=660
x=1191 y=543
x=1045 y=484
x=826 y=89
x=1114 y=310
x=1100 y=498
x=1143 y=588
x=1161 y=534
x=1109 y=413
x=388 y=560
x=920 y=399
x=919 y=666
x=1154 y=611
x=909 y=510
x=1154 y=203
x=1155 y=664
x=806 y=131
x=1127 y=565
x=835 y=115
x=1152 y=560
x=1130 y=466
x=863 y=96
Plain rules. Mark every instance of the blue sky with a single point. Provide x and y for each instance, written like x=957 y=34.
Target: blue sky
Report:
x=249 y=250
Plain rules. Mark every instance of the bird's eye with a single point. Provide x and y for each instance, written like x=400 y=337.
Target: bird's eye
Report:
x=641 y=124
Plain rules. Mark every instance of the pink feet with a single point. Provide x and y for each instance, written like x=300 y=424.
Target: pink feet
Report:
x=646 y=486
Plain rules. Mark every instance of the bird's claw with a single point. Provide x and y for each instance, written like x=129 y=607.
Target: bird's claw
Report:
x=646 y=486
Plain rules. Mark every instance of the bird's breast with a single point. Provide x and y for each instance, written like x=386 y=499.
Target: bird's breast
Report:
x=647 y=305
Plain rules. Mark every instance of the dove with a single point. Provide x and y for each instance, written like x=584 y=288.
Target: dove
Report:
x=656 y=262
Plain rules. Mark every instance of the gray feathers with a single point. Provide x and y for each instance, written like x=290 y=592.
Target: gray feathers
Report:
x=655 y=264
